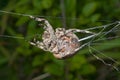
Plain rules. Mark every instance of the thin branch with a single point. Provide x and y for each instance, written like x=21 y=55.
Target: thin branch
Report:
x=63 y=13
x=41 y=76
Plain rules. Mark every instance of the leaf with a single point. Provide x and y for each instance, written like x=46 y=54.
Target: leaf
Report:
x=114 y=55
x=47 y=3
x=108 y=44
x=89 y=8
x=102 y=46
x=21 y=21
x=87 y=69
x=3 y=60
x=77 y=61
x=95 y=17
x=37 y=4
x=54 y=69
x=70 y=7
x=37 y=61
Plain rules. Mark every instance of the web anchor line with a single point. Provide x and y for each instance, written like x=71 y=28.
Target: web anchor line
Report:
x=88 y=37
x=7 y=36
x=108 y=64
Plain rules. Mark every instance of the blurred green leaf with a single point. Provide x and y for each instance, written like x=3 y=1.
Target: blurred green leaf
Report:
x=107 y=44
x=22 y=20
x=89 y=8
x=70 y=6
x=87 y=69
x=37 y=4
x=95 y=17
x=21 y=61
x=78 y=61
x=47 y=3
x=54 y=69
x=3 y=60
x=37 y=61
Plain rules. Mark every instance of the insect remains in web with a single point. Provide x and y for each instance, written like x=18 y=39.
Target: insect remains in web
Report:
x=64 y=43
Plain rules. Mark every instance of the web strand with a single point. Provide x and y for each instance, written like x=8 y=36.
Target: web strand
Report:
x=103 y=34
x=109 y=31
x=14 y=13
x=97 y=27
x=7 y=36
x=90 y=43
x=108 y=64
x=107 y=25
x=28 y=15
x=59 y=17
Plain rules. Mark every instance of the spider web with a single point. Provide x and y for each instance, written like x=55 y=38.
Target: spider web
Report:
x=100 y=37
x=102 y=34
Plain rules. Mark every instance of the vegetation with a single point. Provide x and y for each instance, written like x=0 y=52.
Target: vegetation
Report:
x=21 y=61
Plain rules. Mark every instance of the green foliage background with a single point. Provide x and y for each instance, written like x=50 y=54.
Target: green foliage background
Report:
x=21 y=61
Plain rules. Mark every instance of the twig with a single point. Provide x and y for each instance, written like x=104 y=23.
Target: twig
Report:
x=41 y=76
x=63 y=13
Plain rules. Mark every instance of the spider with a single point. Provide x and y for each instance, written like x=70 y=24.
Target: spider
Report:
x=61 y=42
